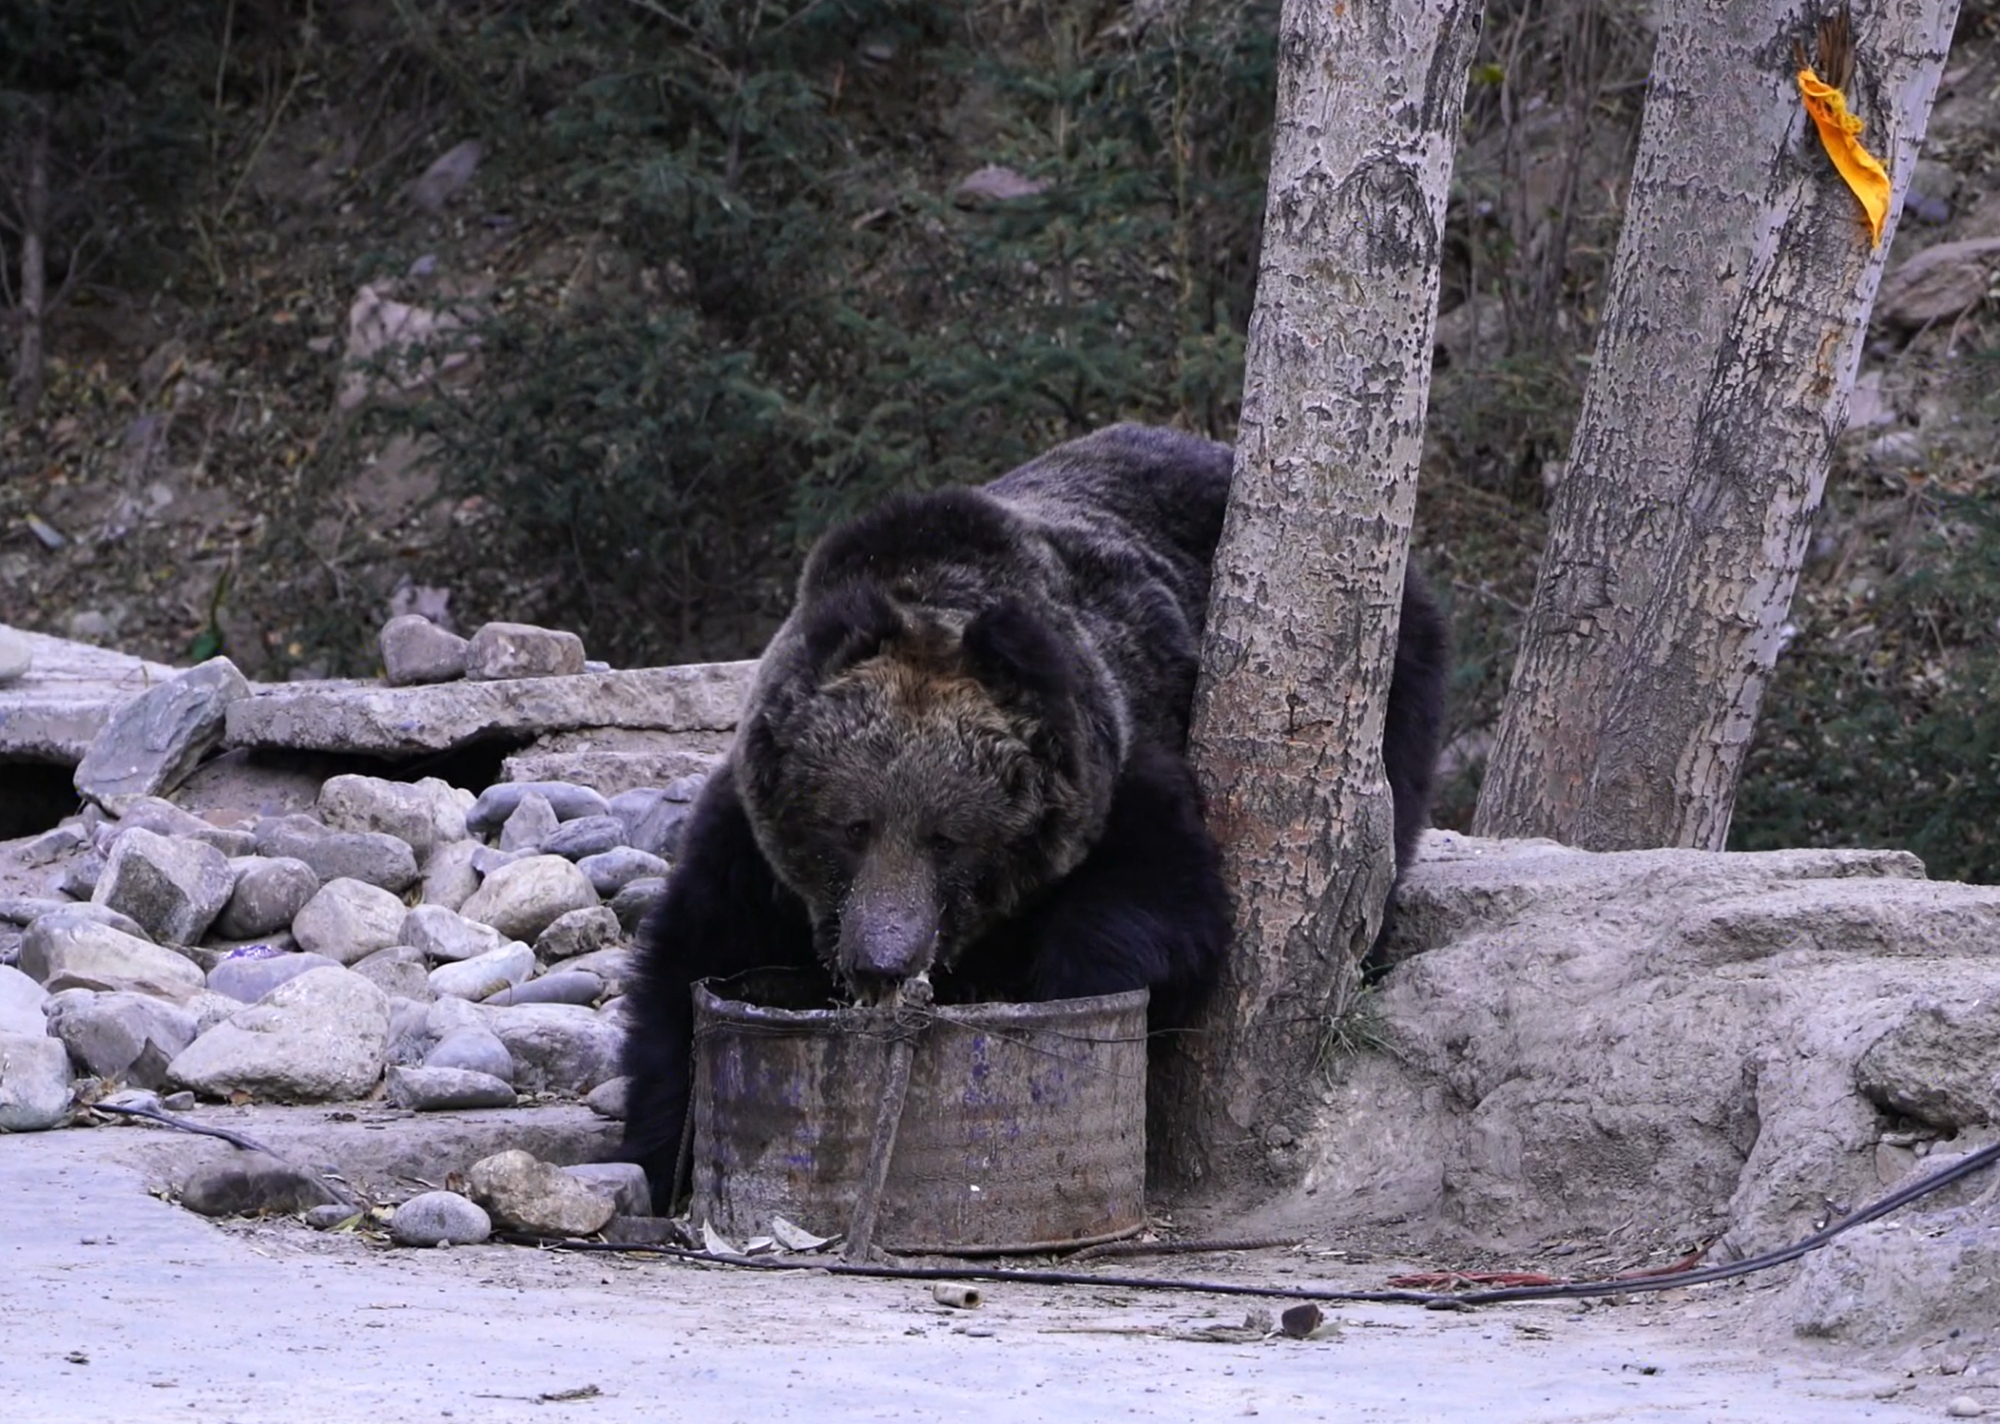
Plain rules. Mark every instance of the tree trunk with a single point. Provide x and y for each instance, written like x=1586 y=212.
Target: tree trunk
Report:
x=1737 y=306
x=1287 y=731
x=26 y=386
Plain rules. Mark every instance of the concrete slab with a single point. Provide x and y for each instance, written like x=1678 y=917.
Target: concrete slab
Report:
x=57 y=707
x=371 y=718
x=611 y=760
x=117 y=1305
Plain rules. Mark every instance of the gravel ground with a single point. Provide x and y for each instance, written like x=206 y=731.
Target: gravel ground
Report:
x=119 y=1305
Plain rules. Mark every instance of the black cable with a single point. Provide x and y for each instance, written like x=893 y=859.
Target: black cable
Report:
x=234 y=1139
x=1901 y=1197
x=961 y=1273
x=1563 y=1290
x=1433 y=1300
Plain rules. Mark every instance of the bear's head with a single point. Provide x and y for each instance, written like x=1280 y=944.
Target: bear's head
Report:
x=917 y=774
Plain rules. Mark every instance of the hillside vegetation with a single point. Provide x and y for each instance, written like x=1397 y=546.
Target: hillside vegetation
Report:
x=695 y=278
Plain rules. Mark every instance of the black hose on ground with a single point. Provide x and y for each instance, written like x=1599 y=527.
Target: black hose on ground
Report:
x=1433 y=1300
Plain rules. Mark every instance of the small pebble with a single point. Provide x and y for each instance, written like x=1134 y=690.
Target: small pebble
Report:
x=1964 y=1406
x=1301 y=1320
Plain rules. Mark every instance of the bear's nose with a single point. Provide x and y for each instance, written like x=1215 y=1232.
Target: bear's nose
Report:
x=895 y=947
x=889 y=926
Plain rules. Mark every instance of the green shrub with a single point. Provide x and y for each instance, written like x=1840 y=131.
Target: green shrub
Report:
x=803 y=318
x=1889 y=735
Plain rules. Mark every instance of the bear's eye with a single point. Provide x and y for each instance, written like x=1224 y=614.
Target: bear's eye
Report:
x=855 y=834
x=942 y=844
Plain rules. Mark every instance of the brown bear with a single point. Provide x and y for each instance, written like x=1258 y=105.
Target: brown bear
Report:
x=964 y=755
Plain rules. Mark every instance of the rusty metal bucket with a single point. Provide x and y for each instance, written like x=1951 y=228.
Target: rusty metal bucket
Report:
x=1024 y=1124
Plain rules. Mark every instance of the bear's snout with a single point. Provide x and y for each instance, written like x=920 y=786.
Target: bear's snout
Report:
x=889 y=925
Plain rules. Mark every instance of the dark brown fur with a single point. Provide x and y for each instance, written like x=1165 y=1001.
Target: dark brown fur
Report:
x=963 y=755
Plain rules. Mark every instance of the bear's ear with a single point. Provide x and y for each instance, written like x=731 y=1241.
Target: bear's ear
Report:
x=1014 y=653
x=848 y=624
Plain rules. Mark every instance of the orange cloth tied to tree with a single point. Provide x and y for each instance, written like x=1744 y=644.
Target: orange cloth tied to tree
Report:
x=1839 y=131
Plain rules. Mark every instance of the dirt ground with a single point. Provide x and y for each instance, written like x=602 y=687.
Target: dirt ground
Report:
x=117 y=1304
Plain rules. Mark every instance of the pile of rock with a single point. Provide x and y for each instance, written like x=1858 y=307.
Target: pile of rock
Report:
x=452 y=950
x=513 y=1190
x=417 y=651
x=292 y=927
x=518 y=1192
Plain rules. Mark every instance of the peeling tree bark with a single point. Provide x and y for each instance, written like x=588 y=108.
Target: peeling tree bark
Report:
x=1287 y=730
x=1738 y=302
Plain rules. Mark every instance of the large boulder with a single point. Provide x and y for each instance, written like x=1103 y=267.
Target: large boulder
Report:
x=415 y=651
x=578 y=932
x=348 y=920
x=1938 y=1061
x=397 y=971
x=525 y=897
x=252 y=1183
x=500 y=651
x=165 y=818
x=34 y=1083
x=22 y=1003
x=531 y=1195
x=1918 y=1274
x=421 y=814
x=1939 y=283
x=409 y=721
x=449 y=877
x=174 y=887
x=484 y=974
x=440 y=1219
x=585 y=836
x=249 y=977
x=322 y=1036
x=68 y=951
x=268 y=892
x=502 y=799
x=1652 y=1046
x=561 y=1048
x=447 y=1089
x=473 y=1050
x=16 y=656
x=130 y=1037
x=152 y=742
x=446 y=936
x=372 y=856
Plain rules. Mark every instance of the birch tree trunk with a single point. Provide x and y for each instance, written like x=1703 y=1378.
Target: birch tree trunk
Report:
x=1287 y=730
x=1738 y=302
